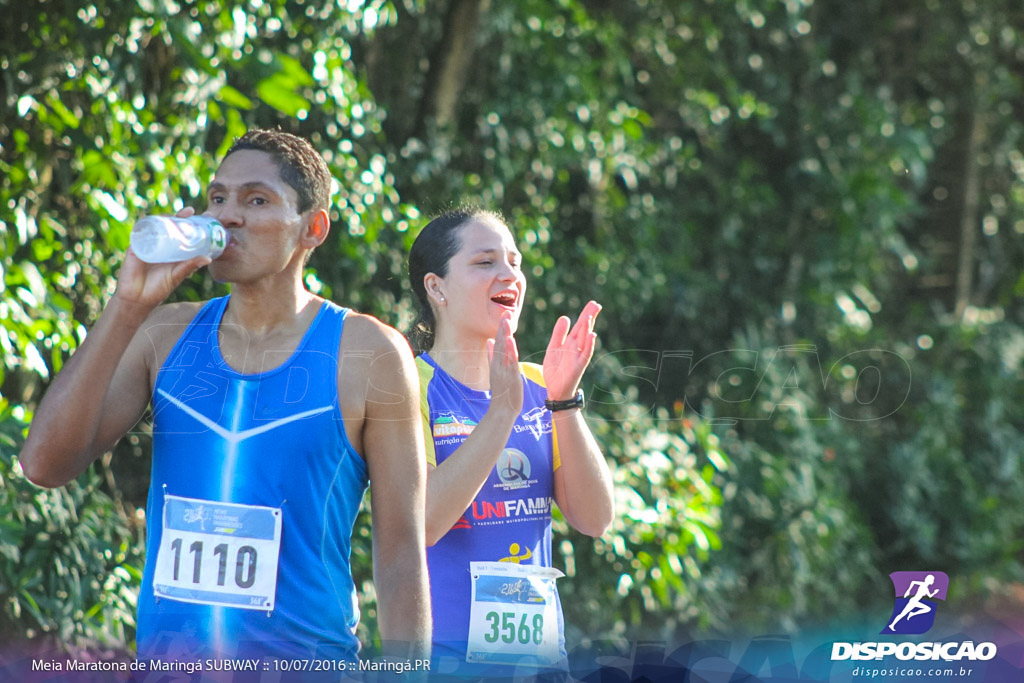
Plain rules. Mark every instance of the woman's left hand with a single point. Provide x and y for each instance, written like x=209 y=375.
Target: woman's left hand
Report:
x=569 y=353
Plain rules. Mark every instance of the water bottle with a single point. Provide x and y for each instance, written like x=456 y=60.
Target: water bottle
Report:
x=168 y=239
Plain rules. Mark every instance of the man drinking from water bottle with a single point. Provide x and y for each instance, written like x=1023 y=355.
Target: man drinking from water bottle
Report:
x=272 y=411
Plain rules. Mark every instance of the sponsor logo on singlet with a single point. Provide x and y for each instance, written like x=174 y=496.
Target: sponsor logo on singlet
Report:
x=514 y=470
x=501 y=511
x=449 y=424
x=532 y=422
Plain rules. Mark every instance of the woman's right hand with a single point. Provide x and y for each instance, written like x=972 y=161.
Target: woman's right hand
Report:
x=505 y=377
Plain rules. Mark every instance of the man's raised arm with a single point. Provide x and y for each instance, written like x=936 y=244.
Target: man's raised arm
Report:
x=103 y=389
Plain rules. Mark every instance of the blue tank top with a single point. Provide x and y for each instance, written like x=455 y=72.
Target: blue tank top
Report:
x=246 y=468
x=510 y=518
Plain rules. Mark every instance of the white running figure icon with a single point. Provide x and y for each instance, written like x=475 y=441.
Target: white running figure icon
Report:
x=915 y=607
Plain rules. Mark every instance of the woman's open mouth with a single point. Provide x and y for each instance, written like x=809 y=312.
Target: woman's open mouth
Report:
x=507 y=298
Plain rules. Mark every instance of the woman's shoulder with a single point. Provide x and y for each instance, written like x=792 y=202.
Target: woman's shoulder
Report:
x=532 y=372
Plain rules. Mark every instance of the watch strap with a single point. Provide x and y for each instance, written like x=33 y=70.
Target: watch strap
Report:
x=576 y=401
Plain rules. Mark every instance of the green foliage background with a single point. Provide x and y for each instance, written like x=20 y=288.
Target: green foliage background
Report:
x=804 y=218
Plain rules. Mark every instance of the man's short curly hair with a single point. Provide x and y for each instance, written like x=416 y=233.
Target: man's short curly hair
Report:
x=300 y=165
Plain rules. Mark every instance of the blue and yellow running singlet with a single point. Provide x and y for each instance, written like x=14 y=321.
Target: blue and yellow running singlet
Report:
x=493 y=601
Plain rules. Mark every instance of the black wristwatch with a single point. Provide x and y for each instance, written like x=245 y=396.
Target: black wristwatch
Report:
x=569 y=403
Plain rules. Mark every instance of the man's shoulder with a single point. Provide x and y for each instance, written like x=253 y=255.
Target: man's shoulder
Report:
x=180 y=312
x=167 y=322
x=162 y=329
x=367 y=335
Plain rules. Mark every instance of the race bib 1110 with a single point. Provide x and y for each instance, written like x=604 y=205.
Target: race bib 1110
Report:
x=218 y=553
